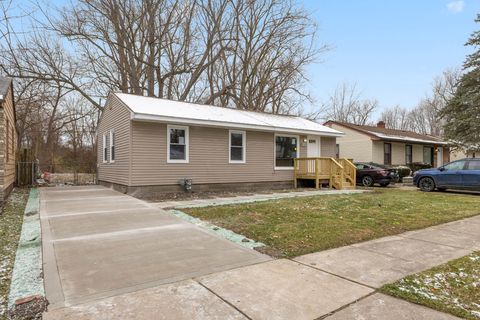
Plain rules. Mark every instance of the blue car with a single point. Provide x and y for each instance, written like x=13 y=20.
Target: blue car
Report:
x=461 y=174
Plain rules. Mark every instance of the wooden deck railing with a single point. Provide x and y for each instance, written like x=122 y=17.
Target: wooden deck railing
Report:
x=340 y=173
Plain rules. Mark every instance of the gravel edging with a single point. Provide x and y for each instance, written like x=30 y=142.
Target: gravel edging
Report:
x=27 y=295
x=219 y=231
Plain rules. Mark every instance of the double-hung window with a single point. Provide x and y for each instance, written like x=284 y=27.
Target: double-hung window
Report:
x=237 y=143
x=286 y=149
x=112 y=146
x=408 y=154
x=428 y=155
x=105 y=148
x=387 y=153
x=177 y=144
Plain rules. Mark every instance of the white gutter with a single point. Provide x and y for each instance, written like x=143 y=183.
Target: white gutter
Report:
x=408 y=139
x=224 y=124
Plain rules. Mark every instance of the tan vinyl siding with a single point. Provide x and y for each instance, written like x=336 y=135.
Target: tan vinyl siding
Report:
x=116 y=116
x=377 y=154
x=208 y=157
x=327 y=146
x=398 y=153
x=354 y=145
x=417 y=153
x=9 y=148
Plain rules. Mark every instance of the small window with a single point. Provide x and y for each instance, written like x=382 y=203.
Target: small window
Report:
x=112 y=145
x=360 y=166
x=177 y=144
x=408 y=154
x=105 y=148
x=473 y=165
x=337 y=151
x=387 y=153
x=286 y=149
x=237 y=146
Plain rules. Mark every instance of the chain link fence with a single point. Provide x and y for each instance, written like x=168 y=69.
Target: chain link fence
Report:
x=34 y=172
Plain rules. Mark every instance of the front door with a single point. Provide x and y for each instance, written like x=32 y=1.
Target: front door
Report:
x=313 y=146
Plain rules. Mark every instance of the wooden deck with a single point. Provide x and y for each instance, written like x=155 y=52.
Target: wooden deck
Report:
x=340 y=173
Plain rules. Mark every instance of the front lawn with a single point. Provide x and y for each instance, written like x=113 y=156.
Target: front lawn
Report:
x=298 y=226
x=11 y=219
x=453 y=287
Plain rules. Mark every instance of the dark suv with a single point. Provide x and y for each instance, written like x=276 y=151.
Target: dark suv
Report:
x=370 y=173
x=461 y=174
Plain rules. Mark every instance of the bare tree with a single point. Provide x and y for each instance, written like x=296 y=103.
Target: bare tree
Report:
x=232 y=53
x=396 y=118
x=424 y=118
x=347 y=105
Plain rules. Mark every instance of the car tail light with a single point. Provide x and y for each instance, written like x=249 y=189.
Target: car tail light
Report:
x=384 y=173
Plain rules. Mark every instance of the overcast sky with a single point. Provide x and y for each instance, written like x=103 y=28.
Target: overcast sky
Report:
x=392 y=49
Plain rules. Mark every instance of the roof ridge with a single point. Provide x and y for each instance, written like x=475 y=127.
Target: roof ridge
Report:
x=210 y=105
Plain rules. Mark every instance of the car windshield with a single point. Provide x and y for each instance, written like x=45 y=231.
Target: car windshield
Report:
x=457 y=165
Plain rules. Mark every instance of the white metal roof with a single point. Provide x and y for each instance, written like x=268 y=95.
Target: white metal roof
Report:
x=156 y=109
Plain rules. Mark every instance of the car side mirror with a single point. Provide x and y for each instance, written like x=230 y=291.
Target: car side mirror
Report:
x=441 y=169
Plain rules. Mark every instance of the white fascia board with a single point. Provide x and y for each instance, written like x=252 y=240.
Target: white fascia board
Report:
x=411 y=140
x=232 y=125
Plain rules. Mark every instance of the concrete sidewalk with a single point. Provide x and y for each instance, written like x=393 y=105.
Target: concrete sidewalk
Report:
x=258 y=197
x=335 y=284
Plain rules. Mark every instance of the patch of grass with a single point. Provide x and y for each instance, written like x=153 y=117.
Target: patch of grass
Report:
x=298 y=226
x=11 y=219
x=453 y=287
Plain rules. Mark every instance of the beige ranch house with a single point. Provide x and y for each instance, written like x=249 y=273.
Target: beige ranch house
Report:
x=149 y=145
x=388 y=146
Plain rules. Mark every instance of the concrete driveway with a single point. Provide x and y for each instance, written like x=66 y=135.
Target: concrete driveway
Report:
x=99 y=243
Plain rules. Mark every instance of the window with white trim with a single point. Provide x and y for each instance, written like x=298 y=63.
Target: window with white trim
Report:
x=286 y=149
x=177 y=144
x=105 y=148
x=237 y=144
x=112 y=146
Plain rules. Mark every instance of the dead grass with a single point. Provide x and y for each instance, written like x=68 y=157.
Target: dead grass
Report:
x=11 y=220
x=299 y=226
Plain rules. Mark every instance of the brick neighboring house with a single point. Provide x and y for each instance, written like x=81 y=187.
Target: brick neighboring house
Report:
x=389 y=146
x=8 y=138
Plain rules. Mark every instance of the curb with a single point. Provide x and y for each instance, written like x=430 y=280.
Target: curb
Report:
x=27 y=293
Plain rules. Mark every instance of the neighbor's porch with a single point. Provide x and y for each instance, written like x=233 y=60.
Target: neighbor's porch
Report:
x=337 y=173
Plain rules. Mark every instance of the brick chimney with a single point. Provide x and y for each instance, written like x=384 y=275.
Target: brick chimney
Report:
x=381 y=124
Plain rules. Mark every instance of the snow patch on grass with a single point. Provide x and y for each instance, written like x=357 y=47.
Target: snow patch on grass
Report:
x=452 y=287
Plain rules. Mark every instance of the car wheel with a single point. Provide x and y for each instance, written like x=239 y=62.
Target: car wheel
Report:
x=367 y=181
x=426 y=184
x=384 y=184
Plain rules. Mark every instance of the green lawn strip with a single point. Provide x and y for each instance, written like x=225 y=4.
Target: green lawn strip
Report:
x=10 y=226
x=299 y=226
x=453 y=287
